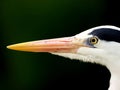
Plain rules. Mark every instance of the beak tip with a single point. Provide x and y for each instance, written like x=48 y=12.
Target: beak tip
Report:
x=19 y=47
x=13 y=47
x=10 y=47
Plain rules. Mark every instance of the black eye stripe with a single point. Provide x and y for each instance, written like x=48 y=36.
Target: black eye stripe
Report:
x=107 y=34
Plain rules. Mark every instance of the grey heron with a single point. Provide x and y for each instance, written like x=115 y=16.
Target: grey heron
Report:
x=100 y=44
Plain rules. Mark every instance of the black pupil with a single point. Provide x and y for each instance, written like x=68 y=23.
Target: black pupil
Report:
x=93 y=40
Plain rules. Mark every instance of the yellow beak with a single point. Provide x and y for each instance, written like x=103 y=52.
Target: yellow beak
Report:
x=63 y=45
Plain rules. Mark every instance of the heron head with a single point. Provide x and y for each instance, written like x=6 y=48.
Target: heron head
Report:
x=97 y=44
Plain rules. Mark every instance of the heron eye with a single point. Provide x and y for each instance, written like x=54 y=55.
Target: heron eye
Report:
x=93 y=40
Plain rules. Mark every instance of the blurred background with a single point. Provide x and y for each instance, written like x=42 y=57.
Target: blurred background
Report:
x=27 y=20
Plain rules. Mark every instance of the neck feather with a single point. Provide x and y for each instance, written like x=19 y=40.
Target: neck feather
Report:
x=115 y=78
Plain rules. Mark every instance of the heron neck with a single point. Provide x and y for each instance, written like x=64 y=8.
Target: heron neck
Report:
x=115 y=79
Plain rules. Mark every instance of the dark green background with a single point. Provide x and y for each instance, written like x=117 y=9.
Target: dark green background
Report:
x=27 y=20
